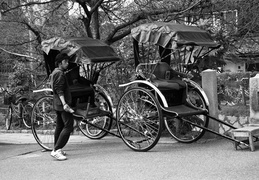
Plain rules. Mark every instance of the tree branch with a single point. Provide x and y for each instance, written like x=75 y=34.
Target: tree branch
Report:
x=95 y=7
x=132 y=21
x=28 y=4
x=36 y=33
x=142 y=15
x=17 y=54
x=118 y=37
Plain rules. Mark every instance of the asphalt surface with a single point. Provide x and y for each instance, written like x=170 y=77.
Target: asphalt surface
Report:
x=110 y=159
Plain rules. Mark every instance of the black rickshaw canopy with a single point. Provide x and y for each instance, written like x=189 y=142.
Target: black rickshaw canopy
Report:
x=83 y=50
x=93 y=50
x=171 y=35
x=170 y=38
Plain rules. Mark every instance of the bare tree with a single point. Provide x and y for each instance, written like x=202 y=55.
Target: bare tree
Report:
x=112 y=20
x=119 y=16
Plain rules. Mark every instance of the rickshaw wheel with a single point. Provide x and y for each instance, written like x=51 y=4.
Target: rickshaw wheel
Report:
x=139 y=119
x=183 y=131
x=104 y=122
x=43 y=122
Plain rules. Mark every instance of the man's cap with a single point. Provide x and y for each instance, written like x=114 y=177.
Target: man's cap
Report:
x=60 y=57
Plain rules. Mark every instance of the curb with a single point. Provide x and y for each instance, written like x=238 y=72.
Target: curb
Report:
x=15 y=131
x=25 y=133
x=29 y=131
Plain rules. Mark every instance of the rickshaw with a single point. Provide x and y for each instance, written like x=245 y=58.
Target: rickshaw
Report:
x=161 y=94
x=88 y=57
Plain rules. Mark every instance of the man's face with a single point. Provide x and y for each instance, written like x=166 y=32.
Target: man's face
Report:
x=64 y=64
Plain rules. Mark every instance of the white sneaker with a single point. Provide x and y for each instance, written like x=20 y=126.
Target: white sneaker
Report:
x=63 y=152
x=58 y=155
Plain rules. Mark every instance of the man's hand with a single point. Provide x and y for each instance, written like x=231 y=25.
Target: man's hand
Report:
x=68 y=109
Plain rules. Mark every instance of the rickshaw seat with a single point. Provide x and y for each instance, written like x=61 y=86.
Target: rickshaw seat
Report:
x=165 y=77
x=80 y=88
x=167 y=84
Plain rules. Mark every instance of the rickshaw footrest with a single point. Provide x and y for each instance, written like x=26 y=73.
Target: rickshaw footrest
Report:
x=248 y=132
x=183 y=110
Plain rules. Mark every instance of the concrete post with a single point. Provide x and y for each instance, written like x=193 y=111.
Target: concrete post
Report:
x=254 y=100
x=209 y=85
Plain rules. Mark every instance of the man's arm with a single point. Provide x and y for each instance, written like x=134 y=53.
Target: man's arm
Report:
x=62 y=99
x=66 y=107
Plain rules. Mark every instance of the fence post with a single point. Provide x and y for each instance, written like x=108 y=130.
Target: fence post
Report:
x=209 y=85
x=254 y=101
x=245 y=83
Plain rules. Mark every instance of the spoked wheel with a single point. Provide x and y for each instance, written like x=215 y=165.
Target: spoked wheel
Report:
x=43 y=122
x=26 y=114
x=139 y=119
x=101 y=121
x=8 y=118
x=183 y=131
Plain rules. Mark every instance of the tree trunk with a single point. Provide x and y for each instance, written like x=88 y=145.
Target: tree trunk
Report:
x=95 y=25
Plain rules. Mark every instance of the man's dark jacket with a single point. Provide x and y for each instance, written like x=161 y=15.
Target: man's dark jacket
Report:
x=60 y=87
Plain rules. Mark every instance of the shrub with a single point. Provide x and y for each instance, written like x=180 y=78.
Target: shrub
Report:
x=233 y=88
x=236 y=110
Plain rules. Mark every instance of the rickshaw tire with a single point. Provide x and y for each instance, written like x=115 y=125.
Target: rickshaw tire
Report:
x=46 y=143
x=184 y=139
x=107 y=125
x=120 y=120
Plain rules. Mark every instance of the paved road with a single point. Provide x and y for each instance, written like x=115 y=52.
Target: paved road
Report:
x=111 y=159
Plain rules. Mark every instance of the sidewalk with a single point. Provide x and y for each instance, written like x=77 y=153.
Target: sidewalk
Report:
x=26 y=137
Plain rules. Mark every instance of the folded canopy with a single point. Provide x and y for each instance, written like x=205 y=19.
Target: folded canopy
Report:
x=171 y=35
x=91 y=50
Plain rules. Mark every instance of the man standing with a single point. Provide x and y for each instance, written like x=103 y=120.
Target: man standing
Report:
x=61 y=101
